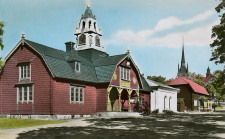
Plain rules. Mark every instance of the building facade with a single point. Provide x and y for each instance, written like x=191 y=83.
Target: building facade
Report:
x=182 y=69
x=163 y=97
x=37 y=79
x=190 y=93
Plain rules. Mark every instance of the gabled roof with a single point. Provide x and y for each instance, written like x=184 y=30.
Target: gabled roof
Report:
x=157 y=85
x=207 y=79
x=195 y=87
x=96 y=66
x=145 y=85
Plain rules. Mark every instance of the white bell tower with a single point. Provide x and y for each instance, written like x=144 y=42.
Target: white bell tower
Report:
x=88 y=35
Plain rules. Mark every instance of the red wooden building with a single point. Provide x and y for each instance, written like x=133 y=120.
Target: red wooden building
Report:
x=37 y=79
x=190 y=92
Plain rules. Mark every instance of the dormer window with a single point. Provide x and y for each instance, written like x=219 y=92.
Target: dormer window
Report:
x=77 y=66
x=24 y=71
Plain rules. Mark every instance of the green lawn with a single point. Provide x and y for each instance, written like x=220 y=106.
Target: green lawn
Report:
x=219 y=107
x=19 y=123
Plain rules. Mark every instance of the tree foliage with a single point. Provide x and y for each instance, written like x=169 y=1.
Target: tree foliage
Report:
x=197 y=78
x=1 y=42
x=216 y=86
x=1 y=33
x=218 y=33
x=159 y=79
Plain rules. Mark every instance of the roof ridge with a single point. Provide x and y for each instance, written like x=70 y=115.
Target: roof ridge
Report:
x=45 y=45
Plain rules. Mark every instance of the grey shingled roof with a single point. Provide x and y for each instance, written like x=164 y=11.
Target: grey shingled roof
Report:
x=157 y=85
x=98 y=71
x=145 y=85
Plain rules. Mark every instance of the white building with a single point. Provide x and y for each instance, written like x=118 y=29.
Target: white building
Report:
x=163 y=97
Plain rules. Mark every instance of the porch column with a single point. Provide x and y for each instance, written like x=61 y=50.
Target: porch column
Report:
x=129 y=95
x=119 y=93
x=137 y=93
x=108 y=107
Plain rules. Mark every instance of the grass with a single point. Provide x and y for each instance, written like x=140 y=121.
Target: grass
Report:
x=219 y=107
x=19 y=123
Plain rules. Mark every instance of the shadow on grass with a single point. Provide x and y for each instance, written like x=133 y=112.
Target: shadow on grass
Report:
x=156 y=126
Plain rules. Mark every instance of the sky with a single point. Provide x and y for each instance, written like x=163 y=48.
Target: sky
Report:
x=151 y=29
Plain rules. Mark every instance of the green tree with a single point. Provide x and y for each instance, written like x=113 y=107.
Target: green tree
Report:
x=1 y=33
x=218 y=33
x=197 y=78
x=1 y=44
x=216 y=86
x=159 y=79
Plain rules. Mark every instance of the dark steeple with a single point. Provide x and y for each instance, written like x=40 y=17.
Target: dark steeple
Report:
x=182 y=58
x=187 y=67
x=208 y=71
x=182 y=71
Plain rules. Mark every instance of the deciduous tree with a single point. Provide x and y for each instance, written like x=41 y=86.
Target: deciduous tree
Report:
x=1 y=33
x=218 y=33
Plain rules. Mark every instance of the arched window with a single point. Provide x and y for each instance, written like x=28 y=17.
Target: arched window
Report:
x=165 y=98
x=89 y=24
x=82 y=39
x=90 y=40
x=83 y=25
x=95 y=25
x=97 y=41
x=170 y=101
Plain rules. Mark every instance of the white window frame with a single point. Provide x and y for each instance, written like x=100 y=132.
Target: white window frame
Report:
x=76 y=98
x=75 y=69
x=124 y=72
x=24 y=75
x=27 y=92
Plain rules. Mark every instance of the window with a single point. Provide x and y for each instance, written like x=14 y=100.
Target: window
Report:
x=24 y=94
x=90 y=40
x=89 y=24
x=24 y=71
x=77 y=66
x=97 y=41
x=82 y=39
x=83 y=25
x=76 y=94
x=125 y=73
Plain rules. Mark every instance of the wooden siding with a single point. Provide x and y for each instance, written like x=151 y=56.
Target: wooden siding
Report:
x=133 y=75
x=10 y=77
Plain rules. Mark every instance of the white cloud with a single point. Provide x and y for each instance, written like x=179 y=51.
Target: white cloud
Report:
x=199 y=36
x=174 y=21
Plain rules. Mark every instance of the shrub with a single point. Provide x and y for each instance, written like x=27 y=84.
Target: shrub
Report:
x=167 y=111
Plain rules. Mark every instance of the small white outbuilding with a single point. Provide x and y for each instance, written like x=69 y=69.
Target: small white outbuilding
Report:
x=163 y=97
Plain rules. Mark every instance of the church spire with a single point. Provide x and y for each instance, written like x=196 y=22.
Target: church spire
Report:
x=183 y=57
x=208 y=71
x=182 y=70
x=88 y=35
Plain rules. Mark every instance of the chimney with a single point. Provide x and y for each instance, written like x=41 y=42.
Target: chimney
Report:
x=69 y=46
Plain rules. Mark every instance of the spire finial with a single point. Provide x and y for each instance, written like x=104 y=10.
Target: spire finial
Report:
x=183 y=57
x=88 y=5
x=23 y=35
x=128 y=51
x=183 y=40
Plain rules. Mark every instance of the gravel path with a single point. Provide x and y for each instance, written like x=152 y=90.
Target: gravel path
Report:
x=13 y=133
x=193 y=125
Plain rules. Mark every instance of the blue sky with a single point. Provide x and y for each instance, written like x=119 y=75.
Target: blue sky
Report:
x=151 y=29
